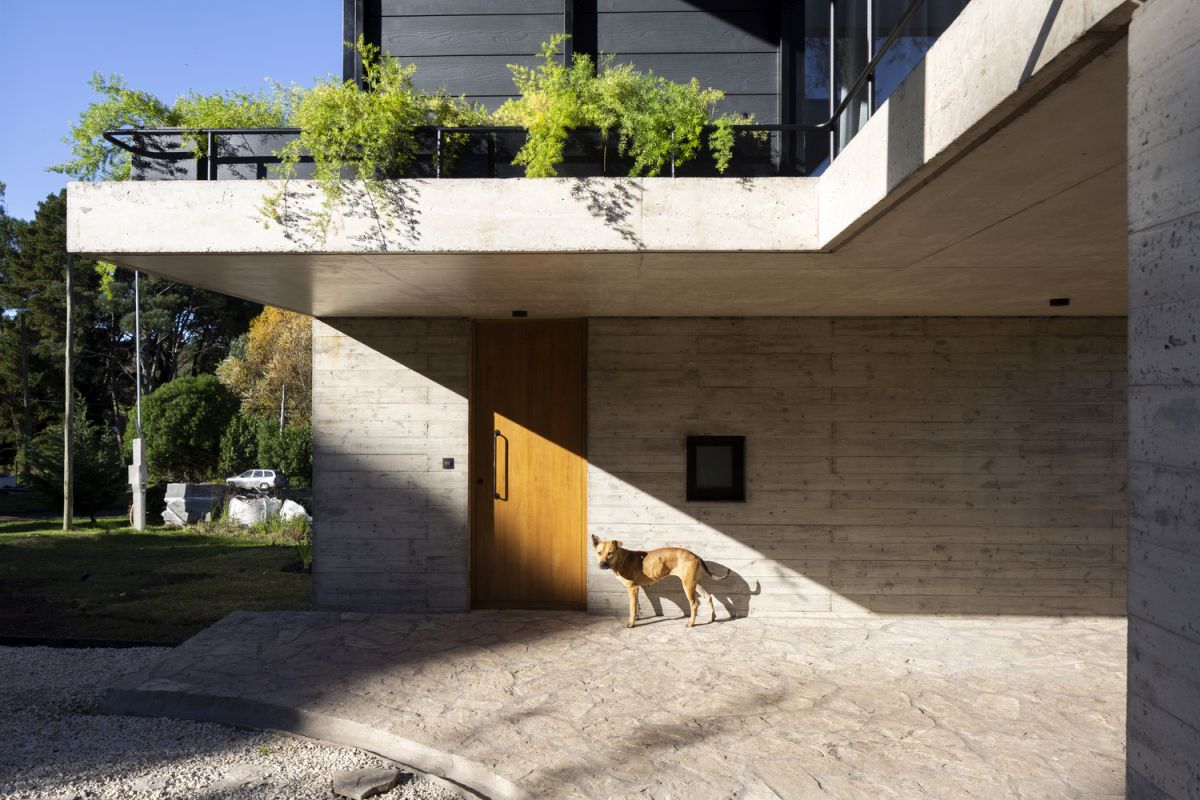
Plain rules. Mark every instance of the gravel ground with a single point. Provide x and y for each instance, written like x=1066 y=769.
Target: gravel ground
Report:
x=53 y=744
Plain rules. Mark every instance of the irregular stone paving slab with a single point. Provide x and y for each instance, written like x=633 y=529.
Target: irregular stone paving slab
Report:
x=569 y=705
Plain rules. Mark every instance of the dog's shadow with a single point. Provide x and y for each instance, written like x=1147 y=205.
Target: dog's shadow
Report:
x=732 y=594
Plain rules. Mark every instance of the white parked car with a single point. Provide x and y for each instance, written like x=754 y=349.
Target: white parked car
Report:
x=260 y=479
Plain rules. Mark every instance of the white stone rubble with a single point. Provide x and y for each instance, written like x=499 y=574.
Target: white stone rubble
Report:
x=54 y=745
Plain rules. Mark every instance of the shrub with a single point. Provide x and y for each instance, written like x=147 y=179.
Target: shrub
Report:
x=182 y=423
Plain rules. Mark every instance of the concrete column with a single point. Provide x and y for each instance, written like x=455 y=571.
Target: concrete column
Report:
x=1164 y=400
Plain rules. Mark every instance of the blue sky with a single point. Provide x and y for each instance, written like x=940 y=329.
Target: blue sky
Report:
x=49 y=50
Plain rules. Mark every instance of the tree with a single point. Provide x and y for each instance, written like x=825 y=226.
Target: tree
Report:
x=277 y=353
x=99 y=472
x=182 y=422
x=185 y=331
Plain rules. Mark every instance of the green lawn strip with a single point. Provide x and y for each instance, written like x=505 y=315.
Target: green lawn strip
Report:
x=161 y=585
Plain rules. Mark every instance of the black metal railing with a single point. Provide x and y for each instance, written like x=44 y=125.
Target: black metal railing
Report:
x=441 y=152
x=485 y=151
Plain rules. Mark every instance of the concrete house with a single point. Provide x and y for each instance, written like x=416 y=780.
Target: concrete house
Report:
x=938 y=357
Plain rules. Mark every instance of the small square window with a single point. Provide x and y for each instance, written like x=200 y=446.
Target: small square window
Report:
x=716 y=468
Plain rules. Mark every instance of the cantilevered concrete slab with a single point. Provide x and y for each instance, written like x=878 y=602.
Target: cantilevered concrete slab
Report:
x=991 y=181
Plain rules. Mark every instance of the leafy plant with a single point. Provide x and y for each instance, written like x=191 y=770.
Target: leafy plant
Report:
x=363 y=134
x=554 y=99
x=304 y=549
x=95 y=158
x=652 y=117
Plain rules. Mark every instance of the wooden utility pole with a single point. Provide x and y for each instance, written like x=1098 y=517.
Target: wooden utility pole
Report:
x=69 y=422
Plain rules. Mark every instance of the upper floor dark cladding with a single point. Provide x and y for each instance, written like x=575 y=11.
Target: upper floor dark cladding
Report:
x=770 y=57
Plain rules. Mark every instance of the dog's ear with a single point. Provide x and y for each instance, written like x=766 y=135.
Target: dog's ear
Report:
x=595 y=540
x=618 y=544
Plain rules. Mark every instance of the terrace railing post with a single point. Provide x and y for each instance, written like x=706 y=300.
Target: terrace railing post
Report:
x=833 y=115
x=212 y=155
x=437 y=154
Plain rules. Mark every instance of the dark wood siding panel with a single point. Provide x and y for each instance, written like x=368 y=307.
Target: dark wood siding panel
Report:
x=407 y=8
x=733 y=73
x=480 y=75
x=706 y=6
x=764 y=107
x=501 y=34
x=677 y=32
x=464 y=46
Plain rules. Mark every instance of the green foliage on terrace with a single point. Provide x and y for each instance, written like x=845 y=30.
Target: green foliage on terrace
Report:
x=367 y=135
x=651 y=116
x=364 y=135
x=95 y=158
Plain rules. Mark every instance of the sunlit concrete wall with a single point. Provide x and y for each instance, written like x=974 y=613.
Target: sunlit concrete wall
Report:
x=389 y=403
x=894 y=465
x=923 y=465
x=1164 y=400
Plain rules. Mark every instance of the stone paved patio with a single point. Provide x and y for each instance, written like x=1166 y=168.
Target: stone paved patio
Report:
x=570 y=705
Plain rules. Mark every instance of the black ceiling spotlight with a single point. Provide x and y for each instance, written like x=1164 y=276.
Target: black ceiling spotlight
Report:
x=1060 y=301
x=520 y=314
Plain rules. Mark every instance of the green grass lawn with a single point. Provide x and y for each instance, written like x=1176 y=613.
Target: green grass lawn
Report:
x=161 y=585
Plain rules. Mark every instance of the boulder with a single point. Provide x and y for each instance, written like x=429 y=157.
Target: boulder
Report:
x=253 y=510
x=358 y=784
x=291 y=508
x=189 y=503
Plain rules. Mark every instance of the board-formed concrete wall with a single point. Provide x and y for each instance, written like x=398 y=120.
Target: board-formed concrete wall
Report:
x=1164 y=397
x=906 y=465
x=389 y=403
x=910 y=465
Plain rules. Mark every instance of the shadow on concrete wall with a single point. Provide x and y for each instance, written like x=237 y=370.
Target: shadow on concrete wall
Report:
x=906 y=127
x=1043 y=542
x=391 y=531
x=732 y=595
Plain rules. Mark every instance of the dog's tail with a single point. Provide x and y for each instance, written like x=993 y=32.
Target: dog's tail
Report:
x=708 y=572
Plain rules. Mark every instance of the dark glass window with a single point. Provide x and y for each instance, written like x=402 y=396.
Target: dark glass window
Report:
x=716 y=468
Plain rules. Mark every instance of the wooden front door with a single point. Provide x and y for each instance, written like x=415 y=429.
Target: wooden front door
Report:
x=528 y=464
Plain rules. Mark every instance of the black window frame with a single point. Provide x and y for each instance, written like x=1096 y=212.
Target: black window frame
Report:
x=735 y=493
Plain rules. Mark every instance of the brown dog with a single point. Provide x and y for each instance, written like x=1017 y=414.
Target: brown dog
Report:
x=637 y=568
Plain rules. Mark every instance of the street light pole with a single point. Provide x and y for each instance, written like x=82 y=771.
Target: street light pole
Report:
x=69 y=422
x=137 y=470
x=25 y=427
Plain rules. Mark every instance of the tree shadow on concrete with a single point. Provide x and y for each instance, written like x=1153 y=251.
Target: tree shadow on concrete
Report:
x=390 y=210
x=613 y=202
